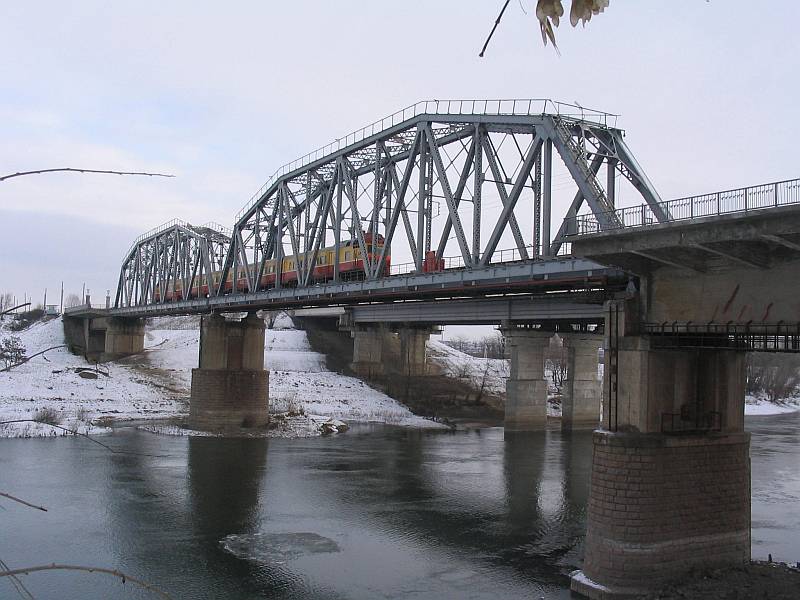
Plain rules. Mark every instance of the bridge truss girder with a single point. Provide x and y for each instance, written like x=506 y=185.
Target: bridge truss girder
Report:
x=394 y=176
x=176 y=252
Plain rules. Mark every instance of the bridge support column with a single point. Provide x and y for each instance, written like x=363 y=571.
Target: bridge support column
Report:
x=123 y=338
x=368 y=350
x=526 y=387
x=230 y=389
x=580 y=404
x=670 y=482
x=413 y=350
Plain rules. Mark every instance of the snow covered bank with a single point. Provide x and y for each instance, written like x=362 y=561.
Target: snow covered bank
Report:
x=83 y=401
x=759 y=407
x=156 y=385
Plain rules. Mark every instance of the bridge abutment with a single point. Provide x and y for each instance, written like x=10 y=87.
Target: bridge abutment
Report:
x=526 y=387
x=670 y=482
x=582 y=391
x=230 y=388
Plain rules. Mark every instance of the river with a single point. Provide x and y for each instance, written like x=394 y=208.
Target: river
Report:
x=378 y=512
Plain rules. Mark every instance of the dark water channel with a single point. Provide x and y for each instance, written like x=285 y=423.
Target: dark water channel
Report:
x=375 y=513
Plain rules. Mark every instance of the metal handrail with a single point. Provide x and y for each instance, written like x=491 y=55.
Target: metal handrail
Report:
x=506 y=255
x=746 y=199
x=521 y=107
x=170 y=224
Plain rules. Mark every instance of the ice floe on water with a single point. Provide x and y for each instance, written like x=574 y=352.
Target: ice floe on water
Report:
x=277 y=548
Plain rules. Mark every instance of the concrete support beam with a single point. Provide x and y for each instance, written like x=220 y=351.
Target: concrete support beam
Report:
x=582 y=391
x=230 y=389
x=526 y=387
x=661 y=504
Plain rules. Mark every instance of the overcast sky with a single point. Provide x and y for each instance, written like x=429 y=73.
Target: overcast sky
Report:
x=223 y=94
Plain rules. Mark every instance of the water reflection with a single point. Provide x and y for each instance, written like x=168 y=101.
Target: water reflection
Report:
x=378 y=512
x=225 y=478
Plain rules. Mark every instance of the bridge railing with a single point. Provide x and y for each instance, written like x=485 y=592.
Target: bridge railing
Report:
x=457 y=262
x=520 y=107
x=170 y=224
x=759 y=197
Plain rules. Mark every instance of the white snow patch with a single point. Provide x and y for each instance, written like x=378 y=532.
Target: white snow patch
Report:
x=159 y=386
x=756 y=406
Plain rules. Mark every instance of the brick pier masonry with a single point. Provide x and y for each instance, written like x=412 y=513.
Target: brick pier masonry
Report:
x=659 y=505
x=670 y=481
x=230 y=389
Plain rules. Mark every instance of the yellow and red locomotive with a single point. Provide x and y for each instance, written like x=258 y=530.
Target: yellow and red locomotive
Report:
x=351 y=267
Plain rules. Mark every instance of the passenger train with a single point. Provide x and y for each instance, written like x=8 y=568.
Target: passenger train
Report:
x=351 y=267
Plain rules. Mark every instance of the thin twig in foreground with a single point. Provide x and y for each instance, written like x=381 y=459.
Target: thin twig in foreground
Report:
x=27 y=358
x=18 y=585
x=112 y=572
x=40 y=171
x=86 y=435
x=491 y=33
x=15 y=499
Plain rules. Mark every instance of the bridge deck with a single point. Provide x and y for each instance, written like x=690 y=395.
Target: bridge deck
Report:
x=559 y=275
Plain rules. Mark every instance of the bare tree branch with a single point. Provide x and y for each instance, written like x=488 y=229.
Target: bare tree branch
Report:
x=26 y=359
x=18 y=585
x=14 y=308
x=491 y=33
x=15 y=499
x=87 y=436
x=113 y=572
x=40 y=171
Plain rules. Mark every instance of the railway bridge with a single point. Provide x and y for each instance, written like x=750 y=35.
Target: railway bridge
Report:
x=441 y=213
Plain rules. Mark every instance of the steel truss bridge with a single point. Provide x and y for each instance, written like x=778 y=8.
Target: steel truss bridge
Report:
x=471 y=183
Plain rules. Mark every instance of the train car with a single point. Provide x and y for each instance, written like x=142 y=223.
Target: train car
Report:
x=351 y=267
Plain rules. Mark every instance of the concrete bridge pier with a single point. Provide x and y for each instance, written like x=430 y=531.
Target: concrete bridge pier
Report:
x=368 y=350
x=582 y=391
x=123 y=337
x=526 y=387
x=102 y=338
x=413 y=350
x=670 y=481
x=230 y=389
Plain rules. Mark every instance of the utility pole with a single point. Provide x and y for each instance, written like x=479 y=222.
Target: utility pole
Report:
x=44 y=304
x=61 y=310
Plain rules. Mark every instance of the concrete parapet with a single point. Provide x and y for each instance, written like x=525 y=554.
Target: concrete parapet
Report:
x=582 y=391
x=661 y=505
x=230 y=389
x=526 y=388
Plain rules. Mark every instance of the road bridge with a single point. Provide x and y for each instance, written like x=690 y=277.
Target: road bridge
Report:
x=403 y=224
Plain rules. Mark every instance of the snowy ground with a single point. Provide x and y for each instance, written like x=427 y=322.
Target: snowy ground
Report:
x=51 y=382
x=156 y=384
x=759 y=407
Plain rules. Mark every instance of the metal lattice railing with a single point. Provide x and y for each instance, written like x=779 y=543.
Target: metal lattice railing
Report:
x=521 y=107
x=180 y=222
x=759 y=197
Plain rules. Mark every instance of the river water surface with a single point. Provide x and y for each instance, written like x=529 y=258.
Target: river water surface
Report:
x=378 y=512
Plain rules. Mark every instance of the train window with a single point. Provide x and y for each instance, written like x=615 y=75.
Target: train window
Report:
x=348 y=256
x=321 y=259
